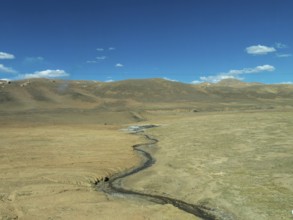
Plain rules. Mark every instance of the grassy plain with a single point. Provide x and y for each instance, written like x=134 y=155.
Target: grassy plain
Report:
x=226 y=145
x=48 y=166
x=238 y=162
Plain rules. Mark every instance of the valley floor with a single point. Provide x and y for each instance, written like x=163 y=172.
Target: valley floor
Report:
x=234 y=162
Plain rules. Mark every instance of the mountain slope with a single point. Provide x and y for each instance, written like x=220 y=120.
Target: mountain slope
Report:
x=121 y=95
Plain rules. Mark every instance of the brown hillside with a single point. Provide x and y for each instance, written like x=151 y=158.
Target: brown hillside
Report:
x=140 y=93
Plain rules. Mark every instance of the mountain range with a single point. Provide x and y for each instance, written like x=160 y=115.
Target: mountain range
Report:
x=143 y=94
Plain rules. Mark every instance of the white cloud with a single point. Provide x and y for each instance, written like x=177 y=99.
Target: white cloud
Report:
x=109 y=79
x=30 y=60
x=6 y=56
x=235 y=74
x=111 y=48
x=283 y=55
x=280 y=45
x=217 y=78
x=4 y=69
x=119 y=65
x=91 y=61
x=172 y=80
x=5 y=79
x=196 y=82
x=258 y=69
x=259 y=50
x=290 y=83
x=97 y=59
x=45 y=74
x=100 y=49
x=101 y=58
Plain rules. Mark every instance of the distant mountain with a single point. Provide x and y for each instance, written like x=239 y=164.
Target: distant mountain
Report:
x=235 y=83
x=54 y=94
x=149 y=90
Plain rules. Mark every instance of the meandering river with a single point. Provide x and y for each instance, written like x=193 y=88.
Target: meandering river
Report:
x=112 y=185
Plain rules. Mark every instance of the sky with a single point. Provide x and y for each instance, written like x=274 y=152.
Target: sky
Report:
x=190 y=41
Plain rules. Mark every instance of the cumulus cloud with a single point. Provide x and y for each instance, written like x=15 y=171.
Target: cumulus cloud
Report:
x=235 y=74
x=111 y=48
x=4 y=69
x=119 y=65
x=259 y=69
x=260 y=50
x=45 y=74
x=283 y=55
x=217 y=78
x=6 y=56
x=100 y=49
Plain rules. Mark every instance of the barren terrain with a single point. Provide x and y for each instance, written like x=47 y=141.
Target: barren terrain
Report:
x=227 y=147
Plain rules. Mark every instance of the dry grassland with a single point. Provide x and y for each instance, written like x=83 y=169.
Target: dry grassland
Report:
x=47 y=171
x=237 y=162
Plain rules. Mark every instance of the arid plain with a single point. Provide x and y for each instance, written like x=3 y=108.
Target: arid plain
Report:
x=226 y=147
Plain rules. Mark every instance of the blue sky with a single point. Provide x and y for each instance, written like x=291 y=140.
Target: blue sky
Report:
x=185 y=40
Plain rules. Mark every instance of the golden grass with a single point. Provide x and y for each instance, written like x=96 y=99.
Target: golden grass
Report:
x=239 y=162
x=47 y=172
